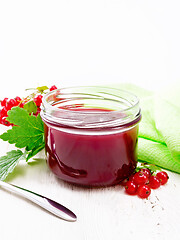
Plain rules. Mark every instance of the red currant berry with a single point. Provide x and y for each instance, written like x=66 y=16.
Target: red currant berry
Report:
x=4 y=102
x=53 y=88
x=4 y=112
x=11 y=103
x=21 y=104
x=163 y=177
x=143 y=191
x=154 y=182
x=1 y=116
x=131 y=178
x=18 y=100
x=140 y=178
x=131 y=188
x=38 y=100
x=5 y=122
x=146 y=171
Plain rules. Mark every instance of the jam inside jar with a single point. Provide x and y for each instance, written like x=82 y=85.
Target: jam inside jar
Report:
x=91 y=134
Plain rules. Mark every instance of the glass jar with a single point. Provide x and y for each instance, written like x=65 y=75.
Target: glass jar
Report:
x=91 y=134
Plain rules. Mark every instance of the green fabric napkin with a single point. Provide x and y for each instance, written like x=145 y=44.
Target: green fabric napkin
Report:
x=159 y=129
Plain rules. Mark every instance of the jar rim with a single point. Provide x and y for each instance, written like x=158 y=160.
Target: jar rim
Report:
x=128 y=114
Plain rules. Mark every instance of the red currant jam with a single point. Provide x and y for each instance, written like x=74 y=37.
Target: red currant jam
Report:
x=89 y=153
x=86 y=158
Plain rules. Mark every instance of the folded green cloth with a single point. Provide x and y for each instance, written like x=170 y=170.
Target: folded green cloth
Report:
x=159 y=129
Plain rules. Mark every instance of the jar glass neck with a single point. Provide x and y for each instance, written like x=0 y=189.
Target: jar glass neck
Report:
x=91 y=107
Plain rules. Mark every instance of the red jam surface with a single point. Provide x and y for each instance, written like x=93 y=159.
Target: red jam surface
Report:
x=91 y=158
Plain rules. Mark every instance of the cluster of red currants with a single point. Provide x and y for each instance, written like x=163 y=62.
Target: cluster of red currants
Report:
x=141 y=182
x=7 y=104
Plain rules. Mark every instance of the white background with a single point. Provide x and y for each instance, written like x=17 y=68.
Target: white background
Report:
x=75 y=42
x=88 y=42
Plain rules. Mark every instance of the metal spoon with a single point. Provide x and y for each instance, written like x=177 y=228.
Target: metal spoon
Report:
x=44 y=202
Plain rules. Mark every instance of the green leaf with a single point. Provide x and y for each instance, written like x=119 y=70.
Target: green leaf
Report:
x=30 y=107
x=28 y=131
x=42 y=89
x=34 y=151
x=9 y=162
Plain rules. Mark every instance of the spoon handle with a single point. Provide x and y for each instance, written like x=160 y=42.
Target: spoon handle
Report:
x=44 y=202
